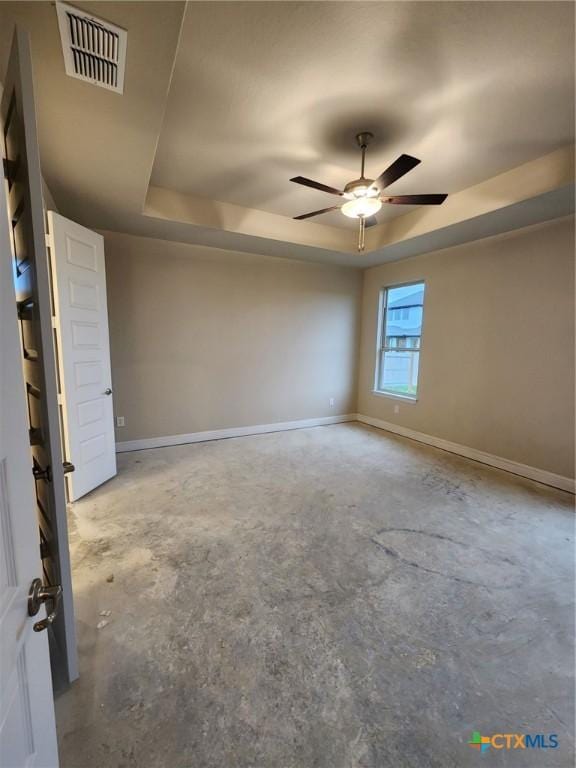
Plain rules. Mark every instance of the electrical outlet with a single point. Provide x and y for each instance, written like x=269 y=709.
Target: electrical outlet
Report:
x=331 y=402
x=396 y=409
x=120 y=421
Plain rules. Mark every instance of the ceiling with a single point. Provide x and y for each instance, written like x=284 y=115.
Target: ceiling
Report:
x=262 y=92
x=225 y=101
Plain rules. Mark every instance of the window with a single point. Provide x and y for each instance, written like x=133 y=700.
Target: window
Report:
x=400 y=330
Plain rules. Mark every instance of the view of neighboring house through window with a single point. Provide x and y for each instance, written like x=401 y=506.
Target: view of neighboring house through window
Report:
x=399 y=340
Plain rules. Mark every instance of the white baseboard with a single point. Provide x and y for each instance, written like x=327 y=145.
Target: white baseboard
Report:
x=220 y=434
x=533 y=473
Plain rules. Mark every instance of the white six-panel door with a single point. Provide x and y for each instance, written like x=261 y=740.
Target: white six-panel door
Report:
x=79 y=278
x=27 y=728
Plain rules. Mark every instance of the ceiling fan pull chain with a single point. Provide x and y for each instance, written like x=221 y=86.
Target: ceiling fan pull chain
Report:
x=361 y=233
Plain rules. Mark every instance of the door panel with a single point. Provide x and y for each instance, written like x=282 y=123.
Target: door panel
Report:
x=27 y=728
x=79 y=277
x=33 y=297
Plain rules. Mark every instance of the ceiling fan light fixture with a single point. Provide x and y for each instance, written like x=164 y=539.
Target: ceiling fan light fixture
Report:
x=361 y=207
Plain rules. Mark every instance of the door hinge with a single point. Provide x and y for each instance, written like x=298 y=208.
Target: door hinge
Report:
x=48 y=240
x=54 y=322
x=36 y=436
x=42 y=474
x=25 y=309
x=60 y=399
x=9 y=167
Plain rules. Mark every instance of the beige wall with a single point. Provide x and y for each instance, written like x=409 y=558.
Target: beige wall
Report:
x=497 y=361
x=207 y=339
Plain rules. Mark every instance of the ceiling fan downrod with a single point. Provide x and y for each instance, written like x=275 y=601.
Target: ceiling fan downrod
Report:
x=363 y=139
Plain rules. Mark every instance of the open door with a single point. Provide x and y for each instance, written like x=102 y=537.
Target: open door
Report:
x=26 y=251
x=27 y=729
x=81 y=314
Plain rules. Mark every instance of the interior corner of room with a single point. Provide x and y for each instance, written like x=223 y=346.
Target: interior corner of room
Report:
x=205 y=341
x=287 y=419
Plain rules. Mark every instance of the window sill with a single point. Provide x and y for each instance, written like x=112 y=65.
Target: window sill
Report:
x=402 y=398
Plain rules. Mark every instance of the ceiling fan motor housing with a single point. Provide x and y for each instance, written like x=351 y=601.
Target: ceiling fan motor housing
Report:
x=360 y=188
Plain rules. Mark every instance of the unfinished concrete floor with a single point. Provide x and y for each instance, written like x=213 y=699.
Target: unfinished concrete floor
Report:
x=333 y=597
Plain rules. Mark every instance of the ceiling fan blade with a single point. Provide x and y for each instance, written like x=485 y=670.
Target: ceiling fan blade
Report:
x=415 y=199
x=317 y=213
x=395 y=171
x=371 y=221
x=316 y=185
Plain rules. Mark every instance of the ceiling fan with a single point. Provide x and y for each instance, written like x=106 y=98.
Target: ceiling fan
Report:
x=365 y=196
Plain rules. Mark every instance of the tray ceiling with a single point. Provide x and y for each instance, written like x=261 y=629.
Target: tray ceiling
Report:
x=264 y=91
x=225 y=101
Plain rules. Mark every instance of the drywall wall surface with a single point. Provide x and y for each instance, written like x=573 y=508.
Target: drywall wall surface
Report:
x=497 y=359
x=205 y=339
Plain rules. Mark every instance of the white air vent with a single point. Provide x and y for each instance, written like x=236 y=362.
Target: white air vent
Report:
x=94 y=50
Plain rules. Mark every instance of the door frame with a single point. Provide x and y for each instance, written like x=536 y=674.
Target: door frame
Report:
x=17 y=109
x=26 y=688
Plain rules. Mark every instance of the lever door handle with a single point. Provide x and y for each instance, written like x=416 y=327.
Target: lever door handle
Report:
x=39 y=594
x=108 y=391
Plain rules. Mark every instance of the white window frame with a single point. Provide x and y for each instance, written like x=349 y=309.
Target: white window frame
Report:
x=381 y=335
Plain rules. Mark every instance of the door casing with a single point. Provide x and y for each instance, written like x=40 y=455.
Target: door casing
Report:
x=34 y=307
x=27 y=727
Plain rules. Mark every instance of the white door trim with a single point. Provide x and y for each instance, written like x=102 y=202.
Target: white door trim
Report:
x=27 y=725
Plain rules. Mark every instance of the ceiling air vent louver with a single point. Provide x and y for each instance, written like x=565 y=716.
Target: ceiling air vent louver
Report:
x=94 y=50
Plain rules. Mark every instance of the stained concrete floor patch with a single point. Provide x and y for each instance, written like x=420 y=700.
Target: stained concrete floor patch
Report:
x=443 y=556
x=331 y=598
